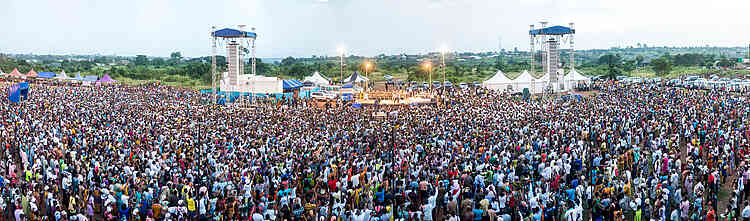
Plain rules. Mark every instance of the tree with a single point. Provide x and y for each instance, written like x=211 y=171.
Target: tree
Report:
x=611 y=64
x=662 y=66
x=141 y=60
x=639 y=59
x=158 y=62
x=288 y=61
x=176 y=55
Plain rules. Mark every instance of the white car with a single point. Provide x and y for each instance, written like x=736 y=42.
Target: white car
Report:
x=323 y=95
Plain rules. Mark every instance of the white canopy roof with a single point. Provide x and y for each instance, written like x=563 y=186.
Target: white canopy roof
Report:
x=498 y=78
x=524 y=77
x=573 y=75
x=62 y=76
x=359 y=78
x=317 y=79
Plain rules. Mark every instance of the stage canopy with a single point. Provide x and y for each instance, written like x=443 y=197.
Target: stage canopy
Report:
x=234 y=33
x=553 y=30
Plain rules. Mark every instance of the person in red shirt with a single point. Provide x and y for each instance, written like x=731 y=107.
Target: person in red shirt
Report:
x=711 y=215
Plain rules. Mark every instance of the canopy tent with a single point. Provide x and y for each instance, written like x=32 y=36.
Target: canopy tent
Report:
x=525 y=80
x=499 y=82
x=46 y=75
x=62 y=76
x=31 y=74
x=78 y=77
x=574 y=78
x=356 y=78
x=317 y=79
x=16 y=74
x=91 y=78
x=291 y=84
x=106 y=79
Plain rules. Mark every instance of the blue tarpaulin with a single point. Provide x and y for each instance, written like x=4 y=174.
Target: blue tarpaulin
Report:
x=554 y=30
x=91 y=78
x=357 y=105
x=234 y=33
x=46 y=75
x=18 y=92
x=291 y=84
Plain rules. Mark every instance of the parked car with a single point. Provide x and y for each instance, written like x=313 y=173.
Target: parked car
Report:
x=436 y=84
x=463 y=85
x=323 y=95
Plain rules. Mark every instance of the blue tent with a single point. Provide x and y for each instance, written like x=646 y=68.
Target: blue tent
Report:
x=91 y=78
x=291 y=84
x=49 y=75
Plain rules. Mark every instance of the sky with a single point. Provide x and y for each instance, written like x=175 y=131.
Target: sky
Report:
x=302 y=28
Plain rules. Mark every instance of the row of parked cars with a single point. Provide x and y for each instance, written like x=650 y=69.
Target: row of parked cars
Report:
x=413 y=85
x=693 y=82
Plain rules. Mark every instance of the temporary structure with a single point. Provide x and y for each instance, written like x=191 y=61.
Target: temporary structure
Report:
x=62 y=76
x=499 y=82
x=574 y=79
x=317 y=79
x=526 y=81
x=356 y=78
x=31 y=74
x=106 y=79
x=15 y=73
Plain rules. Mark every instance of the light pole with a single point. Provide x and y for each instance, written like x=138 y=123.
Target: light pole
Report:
x=428 y=67
x=341 y=51
x=367 y=68
x=443 y=50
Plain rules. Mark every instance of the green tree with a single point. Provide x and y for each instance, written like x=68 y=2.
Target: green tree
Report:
x=288 y=61
x=662 y=66
x=141 y=60
x=639 y=59
x=158 y=62
x=612 y=64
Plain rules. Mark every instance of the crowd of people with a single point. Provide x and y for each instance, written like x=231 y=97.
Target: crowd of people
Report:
x=625 y=152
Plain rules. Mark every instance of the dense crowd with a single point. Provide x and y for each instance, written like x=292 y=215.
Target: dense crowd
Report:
x=625 y=152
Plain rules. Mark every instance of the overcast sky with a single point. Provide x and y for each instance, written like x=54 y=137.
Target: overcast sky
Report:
x=317 y=27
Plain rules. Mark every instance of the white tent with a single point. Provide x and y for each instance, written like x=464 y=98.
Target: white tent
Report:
x=525 y=80
x=317 y=79
x=356 y=78
x=574 y=78
x=499 y=82
x=62 y=76
x=1 y=72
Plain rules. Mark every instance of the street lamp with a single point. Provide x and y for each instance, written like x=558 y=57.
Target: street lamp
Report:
x=367 y=67
x=443 y=50
x=428 y=67
x=341 y=52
